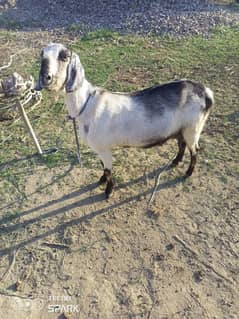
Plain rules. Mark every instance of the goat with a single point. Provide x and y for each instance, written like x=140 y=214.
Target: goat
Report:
x=177 y=109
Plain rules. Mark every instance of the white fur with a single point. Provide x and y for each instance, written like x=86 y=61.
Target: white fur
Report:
x=115 y=119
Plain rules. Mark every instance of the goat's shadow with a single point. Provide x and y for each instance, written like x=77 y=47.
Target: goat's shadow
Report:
x=91 y=199
x=35 y=156
x=39 y=159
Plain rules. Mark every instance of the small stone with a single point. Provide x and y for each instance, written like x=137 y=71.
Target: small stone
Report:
x=18 y=284
x=198 y=276
x=152 y=214
x=170 y=246
x=159 y=257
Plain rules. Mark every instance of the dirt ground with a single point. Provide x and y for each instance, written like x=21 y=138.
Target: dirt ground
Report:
x=176 y=258
x=67 y=253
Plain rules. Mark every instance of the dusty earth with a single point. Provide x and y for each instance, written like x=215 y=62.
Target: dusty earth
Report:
x=66 y=252
x=177 y=258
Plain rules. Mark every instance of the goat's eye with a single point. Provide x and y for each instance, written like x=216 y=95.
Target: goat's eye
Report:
x=63 y=55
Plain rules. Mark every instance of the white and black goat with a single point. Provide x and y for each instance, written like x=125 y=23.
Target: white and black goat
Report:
x=145 y=118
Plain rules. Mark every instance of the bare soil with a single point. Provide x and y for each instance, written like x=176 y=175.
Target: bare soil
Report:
x=177 y=258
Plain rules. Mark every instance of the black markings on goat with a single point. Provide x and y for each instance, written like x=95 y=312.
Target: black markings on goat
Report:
x=156 y=99
x=64 y=55
x=172 y=95
x=192 y=164
x=181 y=150
x=107 y=178
x=45 y=67
x=209 y=103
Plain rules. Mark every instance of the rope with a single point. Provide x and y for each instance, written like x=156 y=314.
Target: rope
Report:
x=16 y=93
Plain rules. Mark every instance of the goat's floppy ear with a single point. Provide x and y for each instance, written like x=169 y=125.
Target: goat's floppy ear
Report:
x=75 y=74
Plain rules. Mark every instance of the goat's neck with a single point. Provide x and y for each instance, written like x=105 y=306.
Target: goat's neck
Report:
x=76 y=100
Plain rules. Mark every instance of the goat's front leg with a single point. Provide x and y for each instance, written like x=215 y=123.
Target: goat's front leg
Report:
x=106 y=178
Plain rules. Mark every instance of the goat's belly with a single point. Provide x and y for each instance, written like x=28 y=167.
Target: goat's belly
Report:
x=113 y=140
x=143 y=133
x=148 y=136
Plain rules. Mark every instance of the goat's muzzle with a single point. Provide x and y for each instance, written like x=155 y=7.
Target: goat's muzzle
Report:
x=44 y=82
x=38 y=86
x=45 y=77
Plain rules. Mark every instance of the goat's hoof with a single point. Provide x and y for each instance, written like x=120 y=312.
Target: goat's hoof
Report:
x=188 y=173
x=176 y=161
x=108 y=194
x=109 y=189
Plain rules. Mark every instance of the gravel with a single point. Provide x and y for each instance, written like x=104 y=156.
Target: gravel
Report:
x=176 y=17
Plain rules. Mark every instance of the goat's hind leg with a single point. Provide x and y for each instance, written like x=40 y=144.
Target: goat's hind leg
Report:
x=181 y=150
x=191 y=137
x=192 y=163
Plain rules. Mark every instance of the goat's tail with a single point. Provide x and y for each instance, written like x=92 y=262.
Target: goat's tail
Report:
x=209 y=98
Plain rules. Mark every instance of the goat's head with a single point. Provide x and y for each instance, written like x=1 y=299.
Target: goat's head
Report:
x=60 y=68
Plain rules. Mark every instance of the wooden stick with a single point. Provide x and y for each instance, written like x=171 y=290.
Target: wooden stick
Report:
x=155 y=189
x=29 y=127
x=19 y=118
x=11 y=265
